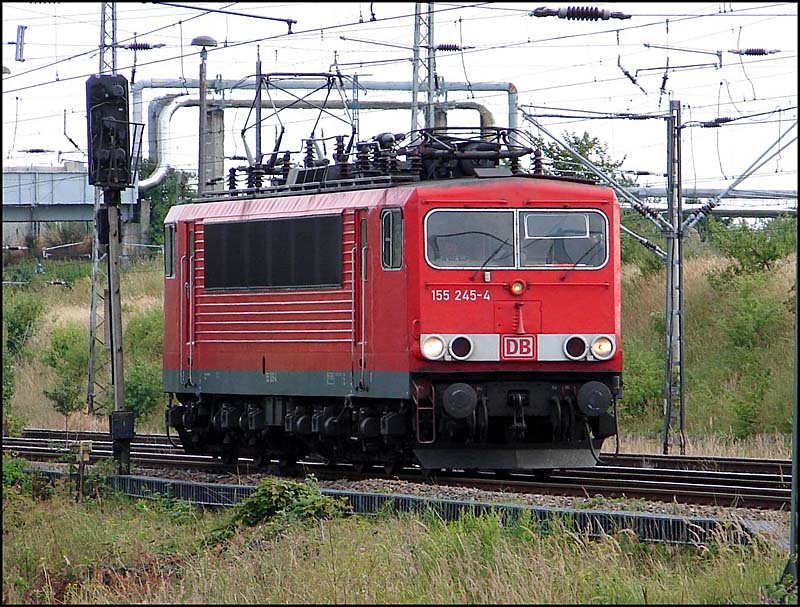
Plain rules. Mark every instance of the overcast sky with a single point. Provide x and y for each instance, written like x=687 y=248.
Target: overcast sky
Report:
x=559 y=67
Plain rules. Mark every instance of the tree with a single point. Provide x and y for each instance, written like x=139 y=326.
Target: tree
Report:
x=564 y=164
x=68 y=356
x=754 y=246
x=162 y=197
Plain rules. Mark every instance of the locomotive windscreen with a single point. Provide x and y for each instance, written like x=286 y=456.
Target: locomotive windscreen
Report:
x=275 y=253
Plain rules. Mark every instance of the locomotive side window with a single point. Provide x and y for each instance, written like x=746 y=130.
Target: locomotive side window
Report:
x=470 y=239
x=391 y=239
x=304 y=252
x=549 y=238
x=169 y=251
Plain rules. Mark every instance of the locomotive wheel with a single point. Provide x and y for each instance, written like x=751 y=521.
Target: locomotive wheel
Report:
x=287 y=465
x=229 y=456
x=429 y=474
x=391 y=467
x=360 y=467
x=261 y=461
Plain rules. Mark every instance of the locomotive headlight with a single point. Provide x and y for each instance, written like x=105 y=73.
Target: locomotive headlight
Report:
x=517 y=287
x=602 y=347
x=433 y=347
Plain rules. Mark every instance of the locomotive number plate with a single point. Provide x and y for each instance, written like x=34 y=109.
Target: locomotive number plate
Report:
x=518 y=346
x=460 y=295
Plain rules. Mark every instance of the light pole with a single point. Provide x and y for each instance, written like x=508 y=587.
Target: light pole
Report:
x=202 y=41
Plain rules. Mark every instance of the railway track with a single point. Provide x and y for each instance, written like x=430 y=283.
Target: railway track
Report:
x=746 y=483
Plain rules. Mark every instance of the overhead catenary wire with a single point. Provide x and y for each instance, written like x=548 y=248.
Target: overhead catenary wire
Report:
x=744 y=107
x=313 y=30
x=236 y=44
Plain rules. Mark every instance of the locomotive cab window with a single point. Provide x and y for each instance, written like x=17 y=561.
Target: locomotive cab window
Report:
x=391 y=239
x=470 y=239
x=575 y=238
x=169 y=251
x=509 y=239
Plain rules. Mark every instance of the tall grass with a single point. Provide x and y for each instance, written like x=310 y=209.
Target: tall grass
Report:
x=738 y=349
x=141 y=293
x=762 y=446
x=112 y=552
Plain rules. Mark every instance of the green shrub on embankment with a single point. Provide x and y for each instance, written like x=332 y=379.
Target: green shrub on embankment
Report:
x=738 y=334
x=47 y=323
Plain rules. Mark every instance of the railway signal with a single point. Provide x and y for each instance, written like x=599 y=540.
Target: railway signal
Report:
x=108 y=131
x=110 y=168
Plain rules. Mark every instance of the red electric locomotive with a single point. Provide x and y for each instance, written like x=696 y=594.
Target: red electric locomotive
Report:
x=426 y=304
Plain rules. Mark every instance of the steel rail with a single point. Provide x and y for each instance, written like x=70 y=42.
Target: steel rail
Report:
x=641 y=460
x=744 y=490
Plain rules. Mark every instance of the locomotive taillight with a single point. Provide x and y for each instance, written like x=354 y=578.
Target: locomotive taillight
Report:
x=433 y=347
x=461 y=347
x=602 y=347
x=575 y=347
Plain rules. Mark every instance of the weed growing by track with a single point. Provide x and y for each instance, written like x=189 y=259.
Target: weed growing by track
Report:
x=111 y=549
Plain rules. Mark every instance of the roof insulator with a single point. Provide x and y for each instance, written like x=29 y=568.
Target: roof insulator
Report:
x=580 y=13
x=753 y=51
x=141 y=46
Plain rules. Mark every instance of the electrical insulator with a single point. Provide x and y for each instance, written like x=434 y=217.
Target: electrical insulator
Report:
x=448 y=47
x=753 y=51
x=717 y=121
x=580 y=13
x=584 y=13
x=141 y=46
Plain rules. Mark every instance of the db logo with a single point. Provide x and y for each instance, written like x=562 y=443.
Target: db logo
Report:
x=518 y=346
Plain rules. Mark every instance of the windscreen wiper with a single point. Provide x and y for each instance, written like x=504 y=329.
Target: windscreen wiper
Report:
x=488 y=259
x=580 y=259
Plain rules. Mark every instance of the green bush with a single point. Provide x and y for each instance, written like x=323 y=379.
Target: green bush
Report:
x=643 y=380
x=14 y=474
x=144 y=335
x=277 y=503
x=288 y=500
x=21 y=313
x=632 y=251
x=751 y=313
x=8 y=371
x=13 y=424
x=753 y=248
x=23 y=272
x=68 y=271
x=144 y=392
x=68 y=353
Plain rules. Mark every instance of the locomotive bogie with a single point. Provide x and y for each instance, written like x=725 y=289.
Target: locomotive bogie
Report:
x=513 y=420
